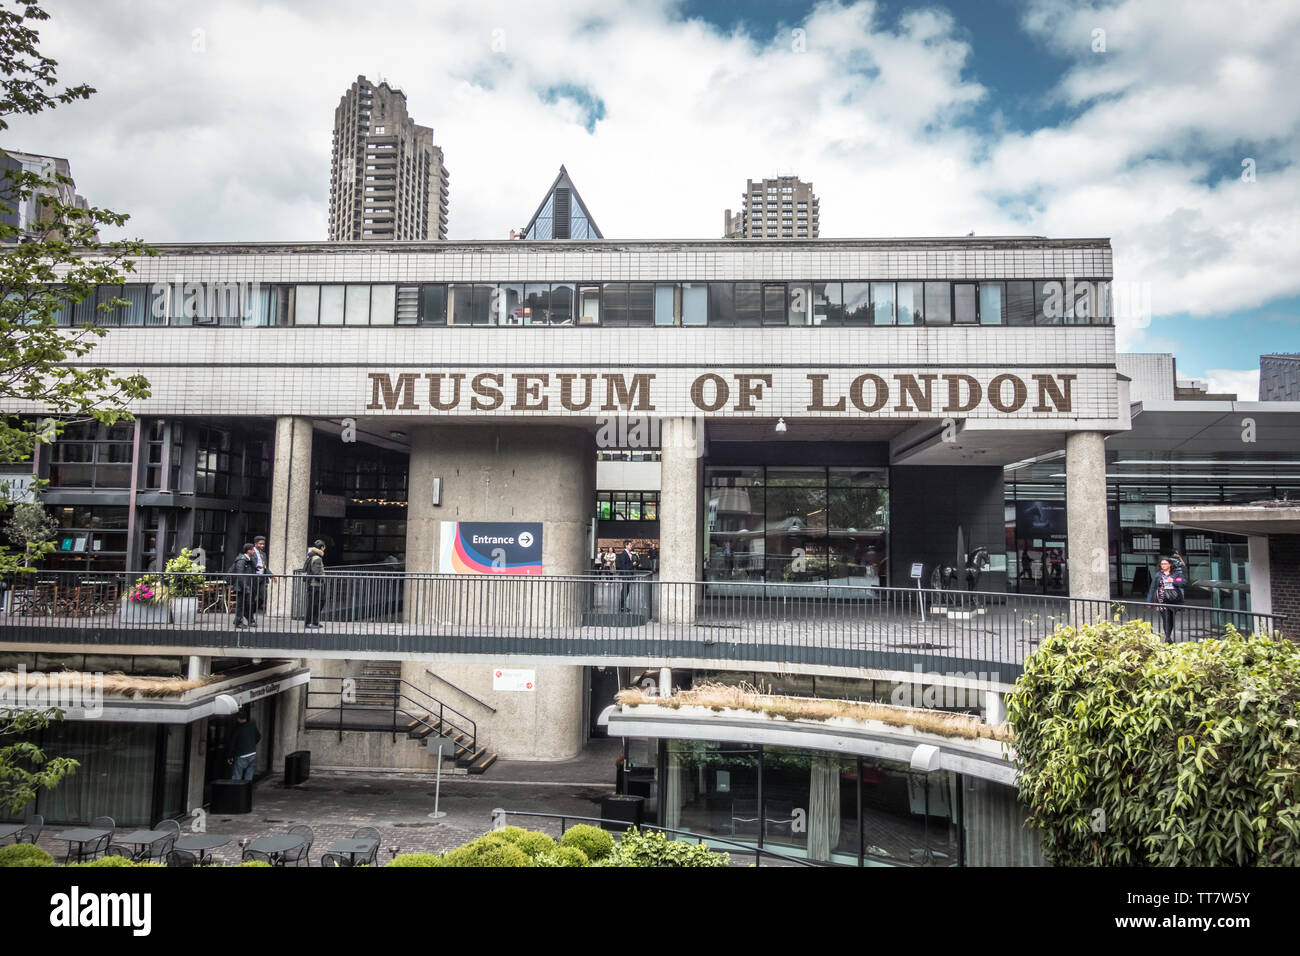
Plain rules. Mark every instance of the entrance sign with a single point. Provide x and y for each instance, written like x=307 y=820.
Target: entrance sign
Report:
x=490 y=547
x=505 y=678
x=917 y=570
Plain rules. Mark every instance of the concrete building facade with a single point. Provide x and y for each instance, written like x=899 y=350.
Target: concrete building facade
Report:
x=781 y=208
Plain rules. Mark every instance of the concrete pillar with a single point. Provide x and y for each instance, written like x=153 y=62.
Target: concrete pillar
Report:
x=1085 y=515
x=1261 y=587
x=199 y=667
x=290 y=496
x=504 y=473
x=681 y=520
x=995 y=707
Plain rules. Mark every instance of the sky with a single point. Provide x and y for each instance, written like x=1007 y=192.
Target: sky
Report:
x=1172 y=128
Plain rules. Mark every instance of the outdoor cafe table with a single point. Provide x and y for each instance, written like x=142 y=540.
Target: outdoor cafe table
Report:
x=81 y=836
x=143 y=838
x=353 y=848
x=274 y=846
x=202 y=843
x=9 y=829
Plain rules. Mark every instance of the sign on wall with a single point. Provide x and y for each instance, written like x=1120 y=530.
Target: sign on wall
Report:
x=505 y=678
x=490 y=547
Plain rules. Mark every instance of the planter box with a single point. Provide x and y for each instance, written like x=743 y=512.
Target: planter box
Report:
x=137 y=613
x=184 y=610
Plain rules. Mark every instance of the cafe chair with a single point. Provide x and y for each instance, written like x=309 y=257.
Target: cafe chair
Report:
x=256 y=856
x=171 y=825
x=335 y=859
x=96 y=848
x=158 y=850
x=182 y=858
x=118 y=849
x=31 y=830
x=298 y=855
x=368 y=833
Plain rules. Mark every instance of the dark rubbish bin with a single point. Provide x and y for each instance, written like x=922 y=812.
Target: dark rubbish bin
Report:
x=297 y=767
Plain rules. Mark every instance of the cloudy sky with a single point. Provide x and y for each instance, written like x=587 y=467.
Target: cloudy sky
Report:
x=1171 y=128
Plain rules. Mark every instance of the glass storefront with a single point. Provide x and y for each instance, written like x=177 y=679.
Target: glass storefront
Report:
x=790 y=525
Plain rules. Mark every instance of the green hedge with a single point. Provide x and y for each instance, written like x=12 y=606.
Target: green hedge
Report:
x=487 y=851
x=24 y=854
x=594 y=842
x=114 y=861
x=562 y=856
x=416 y=859
x=653 y=849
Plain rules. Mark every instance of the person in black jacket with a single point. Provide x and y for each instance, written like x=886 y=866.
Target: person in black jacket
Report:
x=626 y=565
x=246 y=584
x=241 y=755
x=1167 y=591
x=315 y=571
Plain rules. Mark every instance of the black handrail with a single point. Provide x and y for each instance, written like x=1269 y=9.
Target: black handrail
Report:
x=481 y=703
x=394 y=688
x=758 y=851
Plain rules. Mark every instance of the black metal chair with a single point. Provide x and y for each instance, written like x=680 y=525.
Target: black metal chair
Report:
x=335 y=859
x=368 y=833
x=182 y=858
x=297 y=855
x=31 y=830
x=157 y=851
x=118 y=849
x=257 y=856
x=93 y=849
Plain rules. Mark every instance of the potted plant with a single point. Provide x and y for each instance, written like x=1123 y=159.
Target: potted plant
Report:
x=146 y=602
x=184 y=578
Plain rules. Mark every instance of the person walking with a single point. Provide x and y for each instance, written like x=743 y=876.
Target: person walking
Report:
x=1167 y=592
x=626 y=565
x=245 y=574
x=241 y=755
x=262 y=570
x=315 y=571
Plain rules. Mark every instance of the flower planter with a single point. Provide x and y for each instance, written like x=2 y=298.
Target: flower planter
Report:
x=138 y=612
x=184 y=610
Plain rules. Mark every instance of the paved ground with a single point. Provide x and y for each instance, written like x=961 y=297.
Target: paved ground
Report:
x=399 y=804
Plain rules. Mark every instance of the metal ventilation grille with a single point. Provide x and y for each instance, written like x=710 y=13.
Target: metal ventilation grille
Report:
x=560 y=223
x=408 y=304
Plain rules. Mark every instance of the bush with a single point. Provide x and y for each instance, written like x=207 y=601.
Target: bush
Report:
x=487 y=851
x=653 y=849
x=1134 y=752
x=561 y=856
x=184 y=574
x=24 y=854
x=114 y=861
x=510 y=834
x=594 y=842
x=254 y=863
x=534 y=843
x=416 y=859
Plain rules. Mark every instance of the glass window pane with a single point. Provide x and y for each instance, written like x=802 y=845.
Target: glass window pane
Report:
x=749 y=303
x=828 y=303
x=535 y=299
x=857 y=303
x=695 y=303
x=509 y=304
x=1049 y=303
x=460 y=303
x=306 y=304
x=1020 y=303
x=433 y=304
x=774 y=303
x=383 y=304
x=882 y=303
x=665 y=304
x=613 y=302
x=483 y=302
x=357 y=308
x=910 y=311
x=1081 y=311
x=640 y=303
x=722 y=310
x=938 y=303
x=1101 y=314
x=589 y=304
x=331 y=305
x=991 y=303
x=964 y=303
x=800 y=304
x=560 y=311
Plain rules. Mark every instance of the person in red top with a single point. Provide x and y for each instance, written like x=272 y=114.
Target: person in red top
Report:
x=1167 y=590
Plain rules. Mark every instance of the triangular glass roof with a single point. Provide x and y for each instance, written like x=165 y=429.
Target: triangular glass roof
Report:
x=562 y=214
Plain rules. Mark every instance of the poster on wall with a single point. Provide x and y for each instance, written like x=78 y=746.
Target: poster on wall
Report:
x=514 y=679
x=490 y=547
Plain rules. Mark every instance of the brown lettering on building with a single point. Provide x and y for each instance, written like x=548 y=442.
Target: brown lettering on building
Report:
x=621 y=396
x=401 y=395
x=909 y=389
x=973 y=394
x=566 y=380
x=818 y=403
x=720 y=392
x=881 y=394
x=1059 y=394
x=528 y=387
x=487 y=392
x=435 y=390
x=1019 y=394
x=751 y=387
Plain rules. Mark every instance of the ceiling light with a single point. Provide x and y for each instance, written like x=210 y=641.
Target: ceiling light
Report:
x=780 y=426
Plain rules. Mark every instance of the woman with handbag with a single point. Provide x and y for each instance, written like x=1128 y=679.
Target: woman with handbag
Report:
x=1167 y=588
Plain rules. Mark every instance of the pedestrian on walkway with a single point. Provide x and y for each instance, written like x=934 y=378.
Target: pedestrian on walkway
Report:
x=241 y=755
x=245 y=574
x=626 y=564
x=263 y=571
x=315 y=571
x=1167 y=592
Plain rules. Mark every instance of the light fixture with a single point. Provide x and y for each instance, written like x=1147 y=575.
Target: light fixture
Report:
x=780 y=426
x=397 y=436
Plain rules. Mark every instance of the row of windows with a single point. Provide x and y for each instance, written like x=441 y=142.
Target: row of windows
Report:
x=854 y=303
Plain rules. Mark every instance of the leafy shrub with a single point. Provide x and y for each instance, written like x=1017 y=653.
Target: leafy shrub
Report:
x=114 y=861
x=487 y=851
x=594 y=842
x=184 y=574
x=561 y=856
x=1134 y=752
x=254 y=863
x=653 y=849
x=533 y=843
x=416 y=859
x=510 y=834
x=24 y=854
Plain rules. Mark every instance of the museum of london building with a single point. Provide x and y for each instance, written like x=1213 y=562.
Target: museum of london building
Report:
x=824 y=423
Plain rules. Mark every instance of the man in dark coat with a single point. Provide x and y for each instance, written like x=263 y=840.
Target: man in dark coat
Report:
x=315 y=571
x=241 y=755
x=626 y=565
x=246 y=583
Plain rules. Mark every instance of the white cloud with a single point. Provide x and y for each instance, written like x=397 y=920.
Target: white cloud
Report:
x=233 y=142
x=1244 y=383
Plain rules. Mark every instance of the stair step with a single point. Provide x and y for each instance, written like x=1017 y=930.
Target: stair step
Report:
x=469 y=760
x=483 y=764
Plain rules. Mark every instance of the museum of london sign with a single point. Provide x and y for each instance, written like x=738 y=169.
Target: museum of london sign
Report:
x=882 y=393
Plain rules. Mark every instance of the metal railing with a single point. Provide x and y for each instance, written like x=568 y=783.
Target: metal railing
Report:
x=601 y=616
x=732 y=845
x=386 y=704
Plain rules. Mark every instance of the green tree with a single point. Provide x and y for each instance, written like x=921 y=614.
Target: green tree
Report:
x=31 y=529
x=1134 y=752
x=24 y=767
x=47 y=265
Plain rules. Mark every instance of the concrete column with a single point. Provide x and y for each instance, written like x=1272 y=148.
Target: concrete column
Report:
x=504 y=473
x=199 y=667
x=1261 y=587
x=681 y=521
x=290 y=495
x=1085 y=515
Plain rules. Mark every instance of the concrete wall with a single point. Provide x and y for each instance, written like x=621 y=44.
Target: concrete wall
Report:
x=926 y=505
x=1284 y=577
